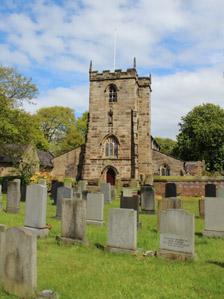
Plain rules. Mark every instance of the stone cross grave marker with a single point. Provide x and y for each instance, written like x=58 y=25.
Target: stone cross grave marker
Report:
x=73 y=221
x=170 y=190
x=105 y=188
x=177 y=234
x=36 y=210
x=214 y=217
x=62 y=192
x=13 y=196
x=210 y=190
x=147 y=199
x=19 y=263
x=94 y=208
x=122 y=233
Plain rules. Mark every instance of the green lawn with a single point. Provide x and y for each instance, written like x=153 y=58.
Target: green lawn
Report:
x=87 y=272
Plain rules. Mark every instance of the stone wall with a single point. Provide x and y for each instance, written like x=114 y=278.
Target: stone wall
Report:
x=194 y=186
x=159 y=160
x=67 y=165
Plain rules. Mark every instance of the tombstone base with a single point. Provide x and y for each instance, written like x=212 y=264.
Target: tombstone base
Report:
x=69 y=241
x=95 y=222
x=12 y=210
x=213 y=233
x=120 y=250
x=172 y=255
x=40 y=233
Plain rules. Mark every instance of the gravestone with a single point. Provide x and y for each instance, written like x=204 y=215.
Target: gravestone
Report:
x=128 y=192
x=165 y=204
x=147 y=199
x=73 y=221
x=122 y=233
x=13 y=196
x=0 y=196
x=210 y=190
x=84 y=195
x=77 y=195
x=131 y=203
x=201 y=206
x=36 y=210
x=214 y=217
x=2 y=247
x=105 y=188
x=220 y=192
x=82 y=185
x=177 y=234
x=94 y=208
x=170 y=190
x=62 y=192
x=19 y=263
x=54 y=189
x=42 y=182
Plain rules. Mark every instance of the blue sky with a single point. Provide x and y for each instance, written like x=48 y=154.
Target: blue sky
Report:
x=178 y=42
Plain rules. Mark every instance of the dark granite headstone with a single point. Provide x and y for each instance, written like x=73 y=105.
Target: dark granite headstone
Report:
x=170 y=190
x=210 y=190
x=130 y=203
x=54 y=188
x=147 y=199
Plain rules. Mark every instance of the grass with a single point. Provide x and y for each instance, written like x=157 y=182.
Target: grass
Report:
x=89 y=273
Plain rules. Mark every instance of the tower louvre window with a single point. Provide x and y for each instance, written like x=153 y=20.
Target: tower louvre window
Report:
x=112 y=93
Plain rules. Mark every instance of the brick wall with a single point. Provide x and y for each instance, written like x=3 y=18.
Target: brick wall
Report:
x=194 y=187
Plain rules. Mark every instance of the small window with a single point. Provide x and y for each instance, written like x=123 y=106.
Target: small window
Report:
x=164 y=170
x=112 y=93
x=111 y=147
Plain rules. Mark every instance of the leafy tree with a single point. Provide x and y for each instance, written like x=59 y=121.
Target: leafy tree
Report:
x=18 y=126
x=201 y=136
x=15 y=87
x=167 y=145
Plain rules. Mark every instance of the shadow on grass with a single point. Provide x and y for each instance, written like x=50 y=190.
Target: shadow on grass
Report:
x=200 y=235
x=220 y=264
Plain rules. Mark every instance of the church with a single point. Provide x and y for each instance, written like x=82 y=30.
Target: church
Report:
x=119 y=146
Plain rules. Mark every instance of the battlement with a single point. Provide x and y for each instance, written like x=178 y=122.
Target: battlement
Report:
x=130 y=73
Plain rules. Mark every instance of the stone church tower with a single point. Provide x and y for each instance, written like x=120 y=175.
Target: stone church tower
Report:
x=118 y=146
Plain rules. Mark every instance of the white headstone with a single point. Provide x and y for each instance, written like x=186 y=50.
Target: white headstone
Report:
x=94 y=209
x=214 y=217
x=122 y=234
x=177 y=233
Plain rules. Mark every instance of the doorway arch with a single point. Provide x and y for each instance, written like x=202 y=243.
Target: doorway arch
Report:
x=111 y=176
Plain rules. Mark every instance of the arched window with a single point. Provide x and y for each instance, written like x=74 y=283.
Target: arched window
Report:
x=111 y=147
x=164 y=170
x=112 y=93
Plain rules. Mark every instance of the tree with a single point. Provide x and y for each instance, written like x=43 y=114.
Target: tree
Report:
x=18 y=126
x=201 y=136
x=167 y=145
x=15 y=87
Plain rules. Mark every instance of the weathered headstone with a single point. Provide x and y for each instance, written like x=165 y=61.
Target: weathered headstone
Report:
x=177 y=234
x=128 y=192
x=73 y=221
x=131 y=203
x=94 y=208
x=105 y=188
x=42 y=182
x=36 y=210
x=214 y=217
x=210 y=190
x=165 y=204
x=54 y=189
x=113 y=192
x=62 y=192
x=0 y=196
x=220 y=192
x=19 y=263
x=147 y=199
x=122 y=234
x=77 y=195
x=170 y=190
x=2 y=247
x=82 y=185
x=13 y=196
x=201 y=206
x=84 y=195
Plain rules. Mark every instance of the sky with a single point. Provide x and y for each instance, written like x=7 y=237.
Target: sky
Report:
x=178 y=42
